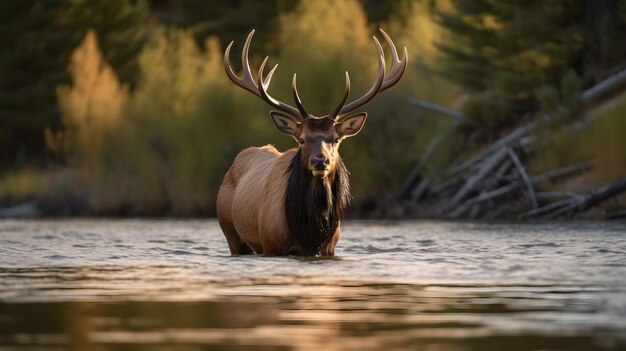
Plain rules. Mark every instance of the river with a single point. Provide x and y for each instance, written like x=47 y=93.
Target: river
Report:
x=109 y=284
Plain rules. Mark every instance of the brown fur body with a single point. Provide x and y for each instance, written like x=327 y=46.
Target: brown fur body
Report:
x=251 y=207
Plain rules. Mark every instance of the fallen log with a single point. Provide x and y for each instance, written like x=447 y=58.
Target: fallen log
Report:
x=541 y=210
x=420 y=190
x=437 y=108
x=488 y=165
x=551 y=195
x=503 y=168
x=491 y=176
x=585 y=202
x=483 y=197
x=502 y=143
x=522 y=172
x=415 y=172
x=589 y=96
x=605 y=87
x=562 y=172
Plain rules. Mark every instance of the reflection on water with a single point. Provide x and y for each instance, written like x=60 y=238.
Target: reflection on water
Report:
x=170 y=285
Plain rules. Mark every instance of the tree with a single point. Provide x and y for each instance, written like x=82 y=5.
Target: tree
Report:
x=605 y=30
x=229 y=20
x=90 y=107
x=502 y=51
x=380 y=10
x=36 y=40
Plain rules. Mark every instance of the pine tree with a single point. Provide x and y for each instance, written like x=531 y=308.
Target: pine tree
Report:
x=36 y=40
x=380 y=10
x=229 y=20
x=502 y=51
x=605 y=43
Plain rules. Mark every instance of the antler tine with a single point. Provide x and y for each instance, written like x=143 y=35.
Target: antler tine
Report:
x=333 y=115
x=398 y=66
x=263 y=83
x=296 y=97
x=386 y=81
x=245 y=64
x=247 y=81
x=375 y=89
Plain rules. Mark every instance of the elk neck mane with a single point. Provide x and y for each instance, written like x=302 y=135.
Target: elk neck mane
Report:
x=314 y=206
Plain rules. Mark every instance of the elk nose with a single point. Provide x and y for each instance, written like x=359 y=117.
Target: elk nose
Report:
x=319 y=163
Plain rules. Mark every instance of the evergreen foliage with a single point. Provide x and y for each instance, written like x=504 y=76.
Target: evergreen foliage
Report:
x=503 y=51
x=605 y=30
x=36 y=40
x=229 y=19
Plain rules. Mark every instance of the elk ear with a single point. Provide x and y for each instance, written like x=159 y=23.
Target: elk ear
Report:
x=352 y=125
x=285 y=124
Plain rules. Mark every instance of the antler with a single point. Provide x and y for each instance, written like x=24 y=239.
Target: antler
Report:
x=382 y=81
x=259 y=88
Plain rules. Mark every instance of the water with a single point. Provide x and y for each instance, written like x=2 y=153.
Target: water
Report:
x=171 y=285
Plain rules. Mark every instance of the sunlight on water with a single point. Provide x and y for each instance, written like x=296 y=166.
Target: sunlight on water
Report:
x=171 y=285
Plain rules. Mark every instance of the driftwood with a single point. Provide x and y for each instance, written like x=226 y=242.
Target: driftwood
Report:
x=545 y=209
x=562 y=172
x=415 y=172
x=583 y=203
x=437 y=108
x=483 y=197
x=576 y=203
x=495 y=181
x=501 y=184
x=515 y=135
x=589 y=96
x=605 y=87
x=551 y=195
x=522 y=172
x=487 y=167
x=504 y=167
x=421 y=188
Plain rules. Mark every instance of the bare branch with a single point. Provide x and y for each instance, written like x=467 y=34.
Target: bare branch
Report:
x=432 y=147
x=487 y=167
x=562 y=172
x=539 y=211
x=522 y=172
x=457 y=116
x=583 y=203
x=604 y=87
x=515 y=135
x=483 y=197
x=420 y=189
x=547 y=195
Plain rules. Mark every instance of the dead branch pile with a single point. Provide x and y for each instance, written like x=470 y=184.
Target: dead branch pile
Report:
x=495 y=182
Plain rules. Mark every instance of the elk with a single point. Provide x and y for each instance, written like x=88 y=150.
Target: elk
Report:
x=291 y=203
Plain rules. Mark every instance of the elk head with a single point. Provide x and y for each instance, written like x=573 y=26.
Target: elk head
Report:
x=318 y=136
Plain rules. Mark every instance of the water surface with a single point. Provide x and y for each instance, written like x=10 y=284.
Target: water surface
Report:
x=172 y=285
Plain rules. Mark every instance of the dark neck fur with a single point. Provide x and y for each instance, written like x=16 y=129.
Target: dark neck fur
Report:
x=315 y=206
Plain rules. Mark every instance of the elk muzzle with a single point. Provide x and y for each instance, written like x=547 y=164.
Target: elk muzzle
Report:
x=319 y=165
x=319 y=160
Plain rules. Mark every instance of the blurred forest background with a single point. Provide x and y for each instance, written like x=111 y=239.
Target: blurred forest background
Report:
x=507 y=108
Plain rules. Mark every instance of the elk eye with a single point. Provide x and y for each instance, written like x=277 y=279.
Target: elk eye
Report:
x=301 y=141
x=336 y=140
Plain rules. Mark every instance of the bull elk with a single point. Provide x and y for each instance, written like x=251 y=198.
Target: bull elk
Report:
x=291 y=203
